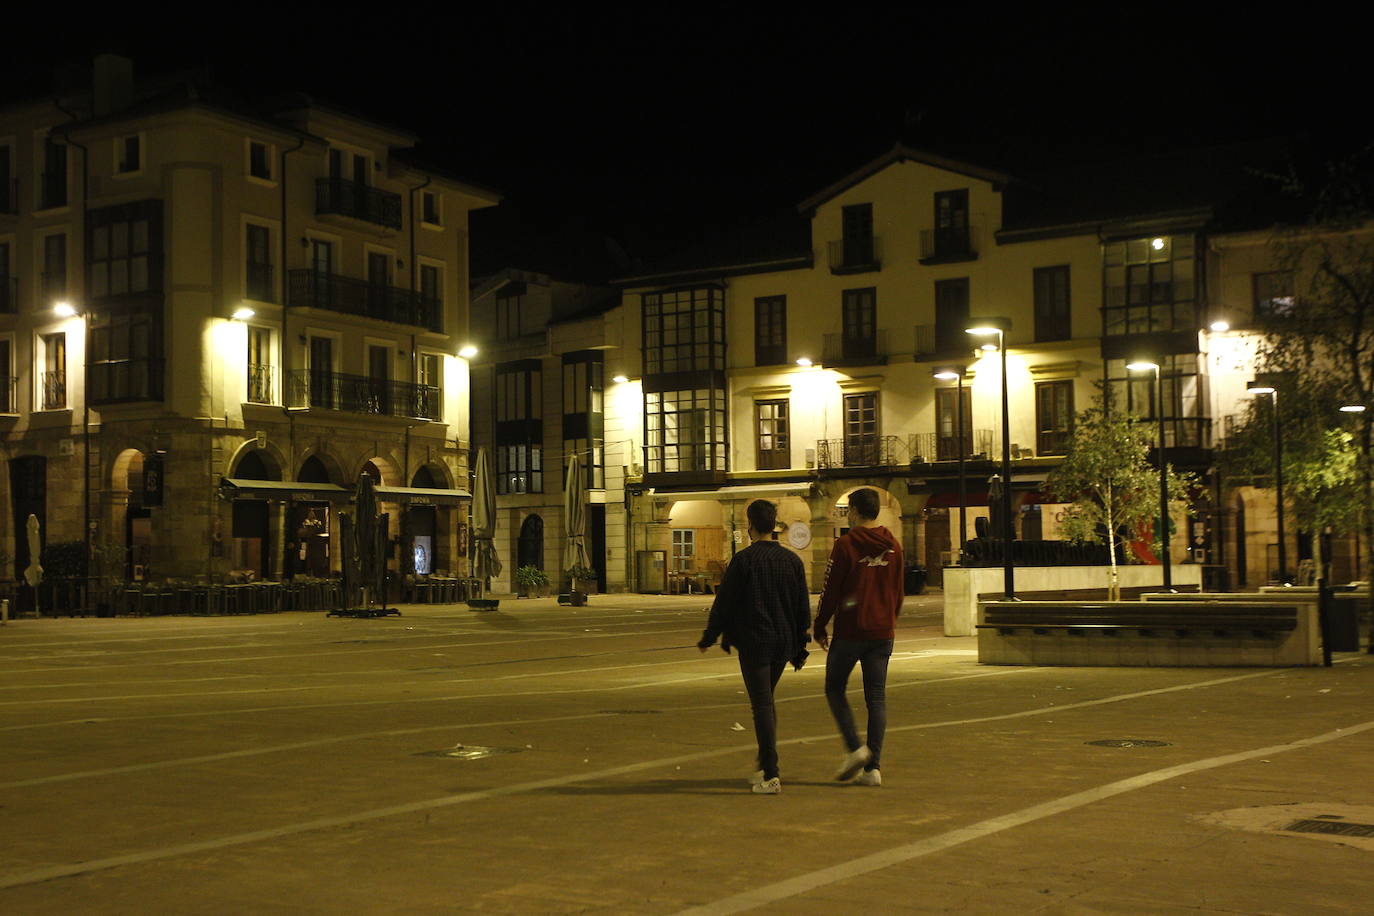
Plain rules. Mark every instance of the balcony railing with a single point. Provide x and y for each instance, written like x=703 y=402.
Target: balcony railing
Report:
x=358 y=297
x=349 y=198
x=849 y=256
x=865 y=452
x=9 y=196
x=259 y=282
x=840 y=350
x=978 y=443
x=937 y=247
x=123 y=380
x=260 y=384
x=9 y=389
x=54 y=390
x=9 y=295
x=360 y=394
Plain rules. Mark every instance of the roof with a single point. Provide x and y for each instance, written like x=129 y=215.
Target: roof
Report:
x=781 y=242
x=902 y=153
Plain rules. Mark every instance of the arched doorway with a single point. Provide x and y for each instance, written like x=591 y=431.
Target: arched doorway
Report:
x=250 y=528
x=310 y=524
x=422 y=522
x=529 y=547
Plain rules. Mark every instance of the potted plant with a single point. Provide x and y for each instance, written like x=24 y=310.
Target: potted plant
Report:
x=583 y=579
x=531 y=581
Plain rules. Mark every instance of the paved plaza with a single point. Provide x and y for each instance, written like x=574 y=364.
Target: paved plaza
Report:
x=546 y=759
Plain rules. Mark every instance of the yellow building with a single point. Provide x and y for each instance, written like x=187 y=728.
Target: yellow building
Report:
x=800 y=373
x=215 y=318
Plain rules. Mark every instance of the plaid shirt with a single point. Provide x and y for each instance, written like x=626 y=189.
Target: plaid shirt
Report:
x=762 y=605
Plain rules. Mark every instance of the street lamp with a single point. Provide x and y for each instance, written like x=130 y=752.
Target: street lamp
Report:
x=1261 y=387
x=984 y=327
x=957 y=375
x=1142 y=366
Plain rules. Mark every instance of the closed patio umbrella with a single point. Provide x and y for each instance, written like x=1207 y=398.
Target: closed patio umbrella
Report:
x=34 y=573
x=371 y=540
x=485 y=563
x=574 y=518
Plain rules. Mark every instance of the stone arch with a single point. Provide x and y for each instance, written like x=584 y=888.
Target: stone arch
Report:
x=529 y=545
x=889 y=507
x=440 y=477
x=270 y=457
x=389 y=471
x=698 y=535
x=320 y=464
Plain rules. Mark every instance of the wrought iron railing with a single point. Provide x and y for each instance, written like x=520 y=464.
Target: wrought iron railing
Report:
x=311 y=289
x=866 y=452
x=115 y=381
x=839 y=350
x=54 y=389
x=350 y=198
x=361 y=394
x=259 y=282
x=9 y=295
x=260 y=384
x=935 y=447
x=853 y=255
x=956 y=246
x=9 y=394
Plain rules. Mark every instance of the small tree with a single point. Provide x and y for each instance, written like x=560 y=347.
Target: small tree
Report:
x=1109 y=484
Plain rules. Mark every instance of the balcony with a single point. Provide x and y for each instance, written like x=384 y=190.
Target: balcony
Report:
x=949 y=247
x=309 y=289
x=54 y=390
x=125 y=380
x=342 y=197
x=839 y=350
x=865 y=452
x=9 y=295
x=857 y=255
x=360 y=394
x=932 y=447
x=261 y=382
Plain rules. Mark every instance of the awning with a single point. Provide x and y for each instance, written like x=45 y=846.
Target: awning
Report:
x=948 y=500
x=742 y=491
x=236 y=487
x=422 y=495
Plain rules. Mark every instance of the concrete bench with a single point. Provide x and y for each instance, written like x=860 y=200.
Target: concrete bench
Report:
x=1176 y=632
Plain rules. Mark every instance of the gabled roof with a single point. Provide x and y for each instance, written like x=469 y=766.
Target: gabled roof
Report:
x=902 y=153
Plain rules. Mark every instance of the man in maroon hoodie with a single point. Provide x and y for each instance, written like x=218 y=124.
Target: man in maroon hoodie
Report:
x=863 y=593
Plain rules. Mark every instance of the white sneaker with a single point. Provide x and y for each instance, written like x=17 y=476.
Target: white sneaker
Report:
x=756 y=777
x=768 y=787
x=869 y=778
x=853 y=763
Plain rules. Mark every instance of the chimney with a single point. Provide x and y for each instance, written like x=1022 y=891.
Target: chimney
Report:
x=113 y=83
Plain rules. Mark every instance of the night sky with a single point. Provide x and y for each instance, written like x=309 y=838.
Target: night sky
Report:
x=657 y=130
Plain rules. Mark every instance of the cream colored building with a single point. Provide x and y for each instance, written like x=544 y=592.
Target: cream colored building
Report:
x=803 y=374
x=261 y=305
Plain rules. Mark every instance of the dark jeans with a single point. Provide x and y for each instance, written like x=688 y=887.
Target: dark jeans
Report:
x=872 y=655
x=760 y=678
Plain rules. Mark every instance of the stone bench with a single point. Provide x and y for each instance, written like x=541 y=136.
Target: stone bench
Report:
x=1180 y=631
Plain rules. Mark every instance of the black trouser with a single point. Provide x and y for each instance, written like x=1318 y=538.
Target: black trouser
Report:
x=760 y=678
x=872 y=655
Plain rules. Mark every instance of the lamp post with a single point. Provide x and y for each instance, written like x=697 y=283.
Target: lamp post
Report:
x=1261 y=387
x=1368 y=501
x=1141 y=366
x=957 y=375
x=985 y=327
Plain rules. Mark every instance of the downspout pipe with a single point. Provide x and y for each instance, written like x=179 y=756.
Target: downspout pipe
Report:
x=288 y=571
x=407 y=561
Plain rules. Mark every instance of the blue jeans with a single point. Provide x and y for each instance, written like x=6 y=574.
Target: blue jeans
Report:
x=760 y=679
x=872 y=655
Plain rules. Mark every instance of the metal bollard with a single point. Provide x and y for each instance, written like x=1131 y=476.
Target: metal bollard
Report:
x=4 y=611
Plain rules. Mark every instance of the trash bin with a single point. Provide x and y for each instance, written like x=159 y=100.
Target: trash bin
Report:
x=1342 y=621
x=915 y=580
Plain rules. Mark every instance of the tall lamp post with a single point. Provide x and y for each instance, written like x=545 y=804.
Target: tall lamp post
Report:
x=1369 y=492
x=986 y=327
x=956 y=374
x=1142 y=366
x=1264 y=387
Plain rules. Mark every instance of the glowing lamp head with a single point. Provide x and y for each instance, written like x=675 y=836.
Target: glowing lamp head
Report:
x=1220 y=326
x=1260 y=389
x=64 y=310
x=243 y=313
x=981 y=331
x=804 y=362
x=620 y=379
x=1353 y=408
x=946 y=375
x=468 y=352
x=1142 y=366
x=1157 y=244
x=989 y=348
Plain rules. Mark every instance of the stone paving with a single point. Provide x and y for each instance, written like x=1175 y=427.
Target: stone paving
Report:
x=294 y=763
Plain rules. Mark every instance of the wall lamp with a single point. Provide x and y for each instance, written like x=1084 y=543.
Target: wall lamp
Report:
x=468 y=351
x=64 y=310
x=242 y=313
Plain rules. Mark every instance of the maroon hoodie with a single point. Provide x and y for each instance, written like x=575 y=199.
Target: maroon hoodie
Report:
x=863 y=586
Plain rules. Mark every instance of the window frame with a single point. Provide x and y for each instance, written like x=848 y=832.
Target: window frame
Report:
x=120 y=147
x=1053 y=427
x=9 y=382
x=1264 y=277
x=45 y=366
x=425 y=222
x=779 y=456
x=268 y=386
x=770 y=330
x=1053 y=319
x=40 y=160
x=270 y=157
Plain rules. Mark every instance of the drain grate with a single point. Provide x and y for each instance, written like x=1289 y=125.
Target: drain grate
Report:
x=630 y=712
x=1334 y=827
x=1127 y=742
x=470 y=752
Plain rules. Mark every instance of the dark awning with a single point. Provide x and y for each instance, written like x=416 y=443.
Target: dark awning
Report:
x=422 y=495
x=239 y=487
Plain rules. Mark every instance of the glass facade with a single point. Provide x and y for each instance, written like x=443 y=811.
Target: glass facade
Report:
x=685 y=430
x=1150 y=285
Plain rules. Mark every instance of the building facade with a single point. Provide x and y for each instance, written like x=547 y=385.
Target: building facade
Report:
x=215 y=318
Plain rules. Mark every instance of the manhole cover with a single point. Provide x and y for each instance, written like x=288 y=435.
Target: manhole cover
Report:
x=470 y=752
x=1127 y=742
x=630 y=712
x=1333 y=827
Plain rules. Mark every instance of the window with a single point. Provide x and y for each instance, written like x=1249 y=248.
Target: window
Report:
x=9 y=202
x=124 y=256
x=861 y=445
x=9 y=285
x=128 y=154
x=775 y=447
x=1185 y=419
x=770 y=330
x=510 y=302
x=52 y=187
x=54 y=268
x=9 y=384
x=126 y=361
x=857 y=225
x=431 y=296
x=430 y=208
x=258 y=263
x=584 y=425
x=947 y=423
x=259 y=160
x=951 y=223
x=1052 y=321
x=260 y=380
x=684 y=330
x=951 y=315
x=429 y=395
x=1274 y=294
x=860 y=337
x=685 y=430
x=54 y=375
x=1053 y=417
x=1149 y=285
x=684 y=548
x=519 y=428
